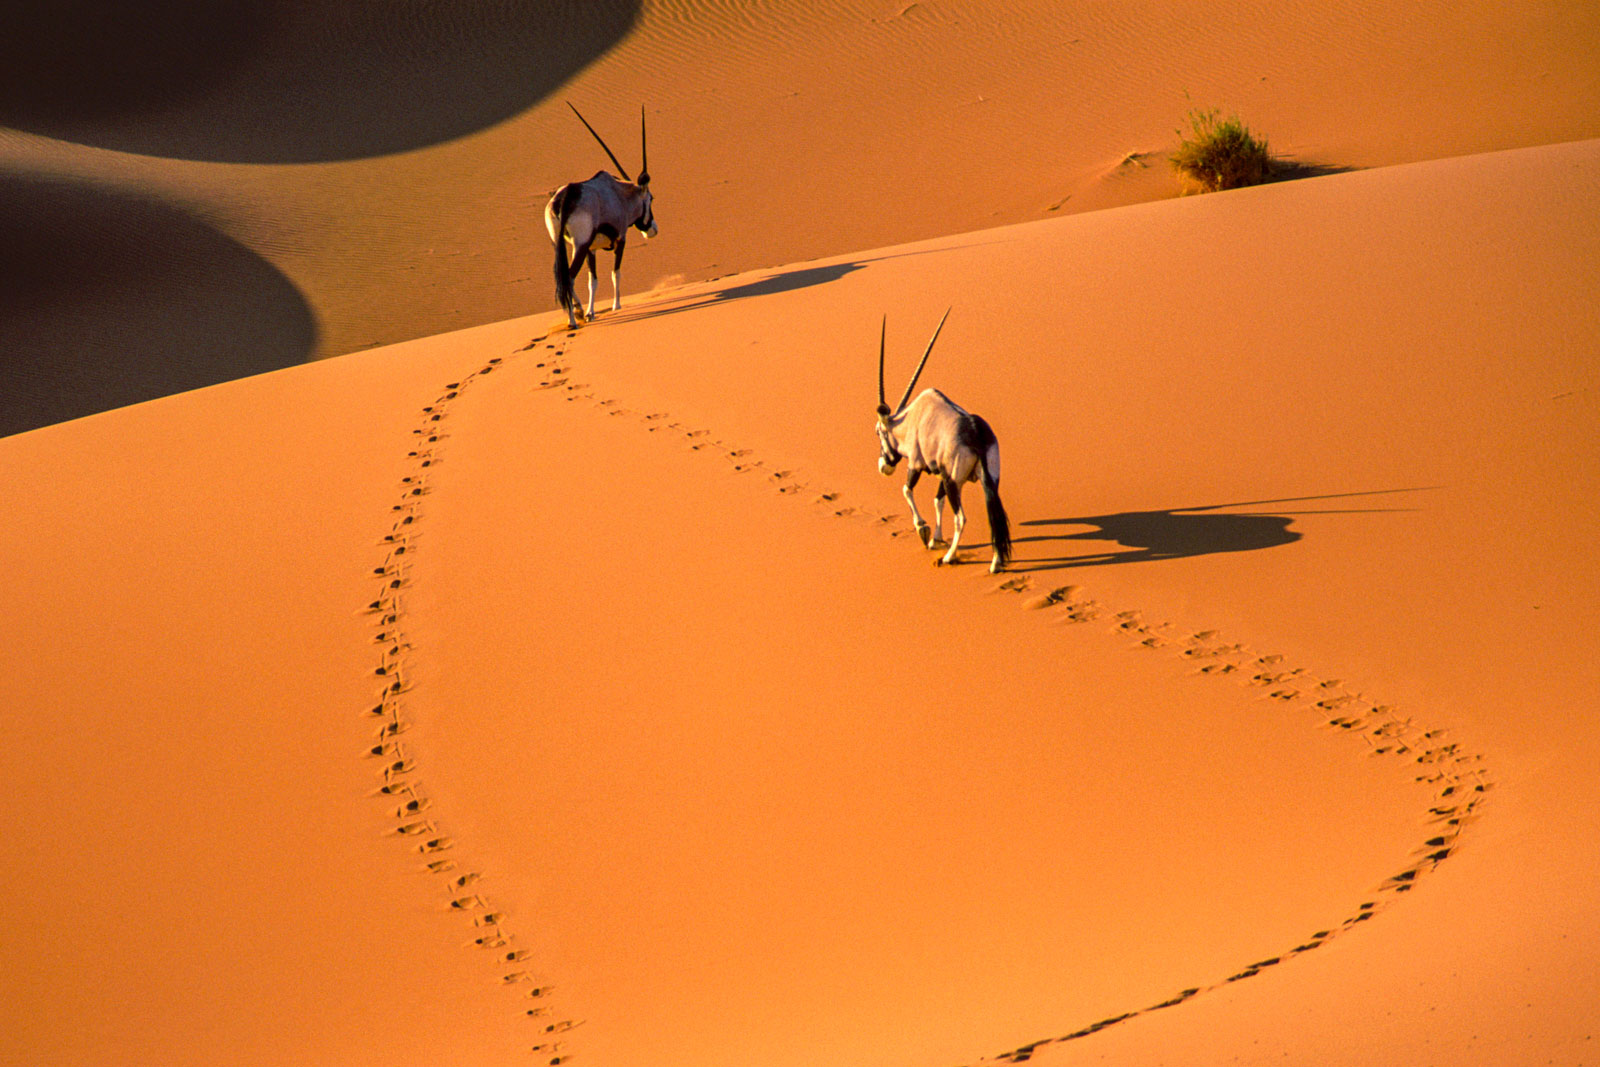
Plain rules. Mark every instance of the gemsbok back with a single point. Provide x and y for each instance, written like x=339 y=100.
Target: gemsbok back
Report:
x=583 y=216
x=933 y=435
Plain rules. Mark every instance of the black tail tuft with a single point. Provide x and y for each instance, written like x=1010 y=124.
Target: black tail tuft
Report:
x=999 y=524
x=566 y=200
x=977 y=435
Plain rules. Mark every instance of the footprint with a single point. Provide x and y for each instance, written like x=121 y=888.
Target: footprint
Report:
x=1060 y=595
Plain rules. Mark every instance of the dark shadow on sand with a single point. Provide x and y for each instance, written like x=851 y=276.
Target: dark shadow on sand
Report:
x=783 y=281
x=109 y=299
x=1288 y=169
x=283 y=81
x=1176 y=533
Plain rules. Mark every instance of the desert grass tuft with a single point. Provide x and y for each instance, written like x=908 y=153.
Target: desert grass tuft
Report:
x=1221 y=153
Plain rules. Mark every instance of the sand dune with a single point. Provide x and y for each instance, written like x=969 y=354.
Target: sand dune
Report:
x=174 y=304
x=1273 y=747
x=391 y=162
x=269 y=81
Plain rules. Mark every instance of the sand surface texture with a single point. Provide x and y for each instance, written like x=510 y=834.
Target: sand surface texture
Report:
x=518 y=695
x=590 y=694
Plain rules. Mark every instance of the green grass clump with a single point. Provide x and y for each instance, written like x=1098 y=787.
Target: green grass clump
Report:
x=1221 y=153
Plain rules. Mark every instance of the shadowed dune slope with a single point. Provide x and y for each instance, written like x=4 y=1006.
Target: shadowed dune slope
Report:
x=426 y=136
x=273 y=81
x=719 y=768
x=109 y=298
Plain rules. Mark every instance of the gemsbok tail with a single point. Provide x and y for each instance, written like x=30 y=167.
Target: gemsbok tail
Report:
x=566 y=200
x=989 y=467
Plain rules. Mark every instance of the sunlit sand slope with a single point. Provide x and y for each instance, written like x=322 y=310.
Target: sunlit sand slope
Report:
x=690 y=753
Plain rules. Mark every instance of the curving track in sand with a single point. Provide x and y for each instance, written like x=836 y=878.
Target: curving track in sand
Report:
x=1456 y=775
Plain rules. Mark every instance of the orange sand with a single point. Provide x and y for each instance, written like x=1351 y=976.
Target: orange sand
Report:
x=514 y=694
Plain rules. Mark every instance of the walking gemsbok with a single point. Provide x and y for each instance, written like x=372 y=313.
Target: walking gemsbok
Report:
x=936 y=436
x=583 y=216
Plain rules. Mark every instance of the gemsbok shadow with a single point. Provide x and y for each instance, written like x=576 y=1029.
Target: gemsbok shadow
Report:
x=778 y=281
x=1177 y=533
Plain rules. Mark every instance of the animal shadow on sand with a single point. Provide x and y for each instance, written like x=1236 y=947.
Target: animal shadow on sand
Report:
x=782 y=281
x=1176 y=533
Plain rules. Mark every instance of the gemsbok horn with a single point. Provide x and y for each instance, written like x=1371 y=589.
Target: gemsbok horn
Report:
x=934 y=435
x=584 y=216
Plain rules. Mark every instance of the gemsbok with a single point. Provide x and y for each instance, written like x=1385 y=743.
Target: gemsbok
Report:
x=934 y=435
x=584 y=216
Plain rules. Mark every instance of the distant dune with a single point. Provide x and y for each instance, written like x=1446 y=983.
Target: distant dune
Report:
x=391 y=160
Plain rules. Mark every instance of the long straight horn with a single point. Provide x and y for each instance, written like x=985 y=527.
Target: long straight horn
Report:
x=644 y=151
x=883 y=405
x=597 y=137
x=924 y=362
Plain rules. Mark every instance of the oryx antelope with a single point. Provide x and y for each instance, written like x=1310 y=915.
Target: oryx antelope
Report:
x=584 y=216
x=933 y=435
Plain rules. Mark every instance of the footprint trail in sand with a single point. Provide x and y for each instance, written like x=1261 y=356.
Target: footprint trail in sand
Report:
x=399 y=778
x=1457 y=776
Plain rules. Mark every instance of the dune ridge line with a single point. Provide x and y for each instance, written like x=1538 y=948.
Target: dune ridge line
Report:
x=1458 y=776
